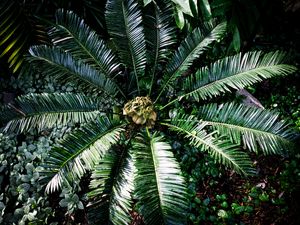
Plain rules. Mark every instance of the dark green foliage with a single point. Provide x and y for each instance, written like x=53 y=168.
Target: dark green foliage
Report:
x=18 y=32
x=112 y=187
x=46 y=110
x=260 y=134
x=132 y=164
x=235 y=72
x=162 y=197
x=81 y=150
x=73 y=35
x=65 y=68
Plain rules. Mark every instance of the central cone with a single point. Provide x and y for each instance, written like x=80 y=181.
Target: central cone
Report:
x=141 y=111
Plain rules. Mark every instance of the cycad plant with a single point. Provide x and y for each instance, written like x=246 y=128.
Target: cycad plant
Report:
x=126 y=145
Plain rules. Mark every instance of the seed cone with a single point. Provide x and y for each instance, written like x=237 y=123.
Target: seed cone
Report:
x=141 y=111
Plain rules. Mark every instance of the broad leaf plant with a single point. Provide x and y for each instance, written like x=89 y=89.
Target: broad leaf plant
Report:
x=158 y=90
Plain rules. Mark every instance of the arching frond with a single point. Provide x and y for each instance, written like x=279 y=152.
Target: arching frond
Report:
x=61 y=65
x=16 y=33
x=160 y=186
x=75 y=37
x=160 y=35
x=80 y=151
x=255 y=128
x=192 y=47
x=112 y=187
x=124 y=24
x=235 y=72
x=222 y=150
x=47 y=110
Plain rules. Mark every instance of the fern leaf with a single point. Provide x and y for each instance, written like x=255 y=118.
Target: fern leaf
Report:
x=160 y=35
x=160 y=186
x=80 y=151
x=61 y=65
x=47 y=110
x=111 y=189
x=124 y=24
x=14 y=35
x=222 y=150
x=74 y=36
x=235 y=72
x=191 y=48
x=255 y=128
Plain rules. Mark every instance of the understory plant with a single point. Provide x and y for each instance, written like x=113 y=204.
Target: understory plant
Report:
x=158 y=89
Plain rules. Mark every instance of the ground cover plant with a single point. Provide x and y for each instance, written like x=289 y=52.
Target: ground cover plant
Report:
x=154 y=85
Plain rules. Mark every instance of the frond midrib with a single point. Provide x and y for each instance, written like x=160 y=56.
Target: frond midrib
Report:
x=206 y=143
x=115 y=181
x=156 y=176
x=56 y=112
x=230 y=77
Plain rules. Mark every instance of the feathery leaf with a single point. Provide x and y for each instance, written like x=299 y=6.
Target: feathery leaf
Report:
x=74 y=36
x=124 y=24
x=112 y=187
x=61 y=65
x=80 y=151
x=195 y=44
x=47 y=110
x=255 y=128
x=235 y=72
x=160 y=186
x=221 y=150
x=160 y=35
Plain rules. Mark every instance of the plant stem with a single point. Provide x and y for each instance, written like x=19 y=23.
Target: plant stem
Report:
x=170 y=103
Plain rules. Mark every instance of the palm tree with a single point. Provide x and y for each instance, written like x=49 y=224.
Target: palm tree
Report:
x=125 y=145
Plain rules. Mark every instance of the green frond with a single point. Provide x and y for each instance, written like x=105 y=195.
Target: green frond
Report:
x=124 y=24
x=195 y=44
x=112 y=187
x=14 y=35
x=235 y=72
x=160 y=32
x=74 y=36
x=80 y=151
x=160 y=187
x=160 y=35
x=257 y=129
x=47 y=110
x=61 y=65
x=222 y=150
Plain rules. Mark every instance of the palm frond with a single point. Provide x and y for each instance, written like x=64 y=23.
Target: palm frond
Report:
x=73 y=35
x=80 y=151
x=222 y=150
x=47 y=110
x=160 y=186
x=112 y=187
x=61 y=65
x=255 y=128
x=124 y=24
x=197 y=42
x=160 y=35
x=14 y=35
x=235 y=72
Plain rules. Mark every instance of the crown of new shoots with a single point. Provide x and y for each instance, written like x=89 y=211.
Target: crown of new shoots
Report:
x=141 y=111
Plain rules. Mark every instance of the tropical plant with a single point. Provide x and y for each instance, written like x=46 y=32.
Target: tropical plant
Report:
x=126 y=146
